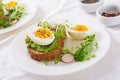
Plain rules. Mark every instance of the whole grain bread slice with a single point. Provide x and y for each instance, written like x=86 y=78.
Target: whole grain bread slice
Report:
x=47 y=56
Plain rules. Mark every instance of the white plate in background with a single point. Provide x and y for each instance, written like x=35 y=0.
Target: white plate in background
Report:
x=30 y=9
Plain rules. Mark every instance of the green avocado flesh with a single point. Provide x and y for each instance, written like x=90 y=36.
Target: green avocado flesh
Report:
x=60 y=32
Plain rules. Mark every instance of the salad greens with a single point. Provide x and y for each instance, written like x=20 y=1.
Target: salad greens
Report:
x=57 y=60
x=85 y=52
x=64 y=51
x=44 y=24
x=10 y=13
x=59 y=29
x=3 y=18
x=86 y=48
x=58 y=32
x=16 y=13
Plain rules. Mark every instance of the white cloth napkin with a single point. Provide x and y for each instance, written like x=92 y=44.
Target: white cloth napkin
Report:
x=57 y=10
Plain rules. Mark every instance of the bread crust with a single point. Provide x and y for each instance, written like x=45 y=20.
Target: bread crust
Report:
x=47 y=56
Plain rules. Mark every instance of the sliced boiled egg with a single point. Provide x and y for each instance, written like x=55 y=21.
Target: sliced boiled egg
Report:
x=78 y=32
x=41 y=36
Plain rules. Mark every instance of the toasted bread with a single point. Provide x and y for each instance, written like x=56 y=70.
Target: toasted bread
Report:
x=47 y=56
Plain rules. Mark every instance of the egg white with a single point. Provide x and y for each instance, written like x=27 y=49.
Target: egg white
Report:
x=40 y=41
x=77 y=35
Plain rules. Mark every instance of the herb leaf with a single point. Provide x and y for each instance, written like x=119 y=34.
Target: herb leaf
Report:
x=80 y=55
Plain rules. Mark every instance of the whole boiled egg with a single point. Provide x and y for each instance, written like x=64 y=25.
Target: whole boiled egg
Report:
x=78 y=32
x=41 y=36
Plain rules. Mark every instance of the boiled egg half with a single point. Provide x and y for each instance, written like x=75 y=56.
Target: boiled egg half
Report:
x=78 y=32
x=41 y=36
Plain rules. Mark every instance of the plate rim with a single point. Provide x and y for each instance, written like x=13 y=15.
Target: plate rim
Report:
x=9 y=29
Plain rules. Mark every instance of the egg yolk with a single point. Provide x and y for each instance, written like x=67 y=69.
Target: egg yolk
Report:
x=11 y=4
x=43 y=33
x=80 y=28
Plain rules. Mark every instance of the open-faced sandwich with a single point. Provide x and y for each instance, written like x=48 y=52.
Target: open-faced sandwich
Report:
x=10 y=13
x=61 y=42
x=45 y=42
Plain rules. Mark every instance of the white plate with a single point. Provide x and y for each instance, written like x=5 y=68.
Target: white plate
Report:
x=30 y=9
x=20 y=56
